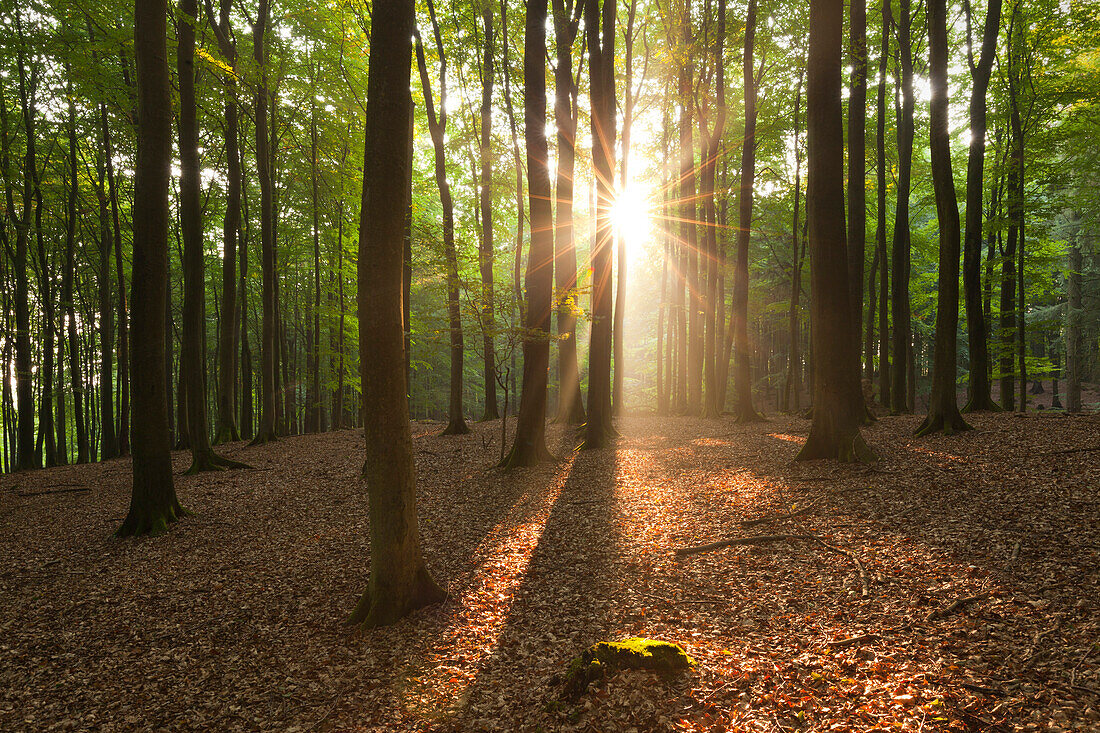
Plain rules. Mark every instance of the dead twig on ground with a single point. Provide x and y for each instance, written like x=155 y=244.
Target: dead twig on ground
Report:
x=957 y=605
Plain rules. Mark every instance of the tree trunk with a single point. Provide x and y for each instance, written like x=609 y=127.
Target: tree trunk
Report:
x=979 y=397
x=269 y=330
x=437 y=126
x=792 y=385
x=689 y=238
x=880 y=224
x=68 y=303
x=229 y=335
x=739 y=316
x=570 y=400
x=943 y=409
x=599 y=24
x=485 y=250
x=838 y=412
x=902 y=334
x=153 y=503
x=857 y=165
x=399 y=579
x=1074 y=317
x=313 y=345
x=529 y=446
x=715 y=353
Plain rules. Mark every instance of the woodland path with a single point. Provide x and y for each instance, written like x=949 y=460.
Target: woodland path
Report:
x=232 y=621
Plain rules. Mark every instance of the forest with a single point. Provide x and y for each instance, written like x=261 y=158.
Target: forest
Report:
x=550 y=365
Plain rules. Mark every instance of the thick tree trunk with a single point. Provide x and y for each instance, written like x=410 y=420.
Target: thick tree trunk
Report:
x=838 y=412
x=880 y=224
x=715 y=351
x=600 y=28
x=943 y=409
x=529 y=446
x=153 y=503
x=399 y=580
x=857 y=165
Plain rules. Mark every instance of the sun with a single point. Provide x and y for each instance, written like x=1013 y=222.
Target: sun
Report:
x=631 y=217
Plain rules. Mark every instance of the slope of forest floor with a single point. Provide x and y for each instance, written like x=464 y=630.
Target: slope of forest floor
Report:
x=233 y=621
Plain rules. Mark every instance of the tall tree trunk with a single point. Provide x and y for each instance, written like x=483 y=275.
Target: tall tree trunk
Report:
x=313 y=345
x=247 y=396
x=123 y=433
x=225 y=424
x=269 y=330
x=399 y=579
x=529 y=445
x=838 y=412
x=68 y=302
x=599 y=22
x=570 y=400
x=715 y=352
x=1074 y=370
x=880 y=224
x=617 y=334
x=193 y=347
x=902 y=335
x=739 y=315
x=1008 y=293
x=437 y=126
x=979 y=397
x=792 y=385
x=153 y=503
x=486 y=248
x=857 y=165
x=689 y=239
x=943 y=408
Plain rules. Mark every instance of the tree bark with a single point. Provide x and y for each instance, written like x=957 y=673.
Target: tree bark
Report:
x=486 y=248
x=880 y=224
x=153 y=503
x=792 y=386
x=599 y=22
x=529 y=446
x=943 y=409
x=838 y=413
x=902 y=334
x=437 y=127
x=857 y=164
x=399 y=580
x=1074 y=317
x=979 y=397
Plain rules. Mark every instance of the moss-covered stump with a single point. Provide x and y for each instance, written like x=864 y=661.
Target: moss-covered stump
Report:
x=608 y=657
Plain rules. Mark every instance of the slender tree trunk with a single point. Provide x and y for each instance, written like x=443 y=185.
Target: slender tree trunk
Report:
x=153 y=503
x=715 y=352
x=123 y=433
x=979 y=397
x=689 y=236
x=229 y=335
x=76 y=380
x=902 y=334
x=437 y=126
x=399 y=579
x=269 y=330
x=838 y=412
x=792 y=386
x=943 y=409
x=570 y=400
x=313 y=345
x=529 y=446
x=739 y=316
x=486 y=249
x=1074 y=314
x=1008 y=295
x=857 y=166
x=880 y=224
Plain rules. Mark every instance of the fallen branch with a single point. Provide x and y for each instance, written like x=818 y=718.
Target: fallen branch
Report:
x=51 y=491
x=767 y=539
x=776 y=517
x=957 y=605
x=852 y=641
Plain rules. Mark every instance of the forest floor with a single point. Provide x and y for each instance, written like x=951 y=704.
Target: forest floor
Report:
x=233 y=620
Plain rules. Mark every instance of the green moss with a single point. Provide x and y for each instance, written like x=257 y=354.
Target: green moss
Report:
x=607 y=657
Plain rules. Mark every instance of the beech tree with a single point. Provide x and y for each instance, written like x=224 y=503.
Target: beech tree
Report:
x=153 y=502
x=838 y=413
x=399 y=580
